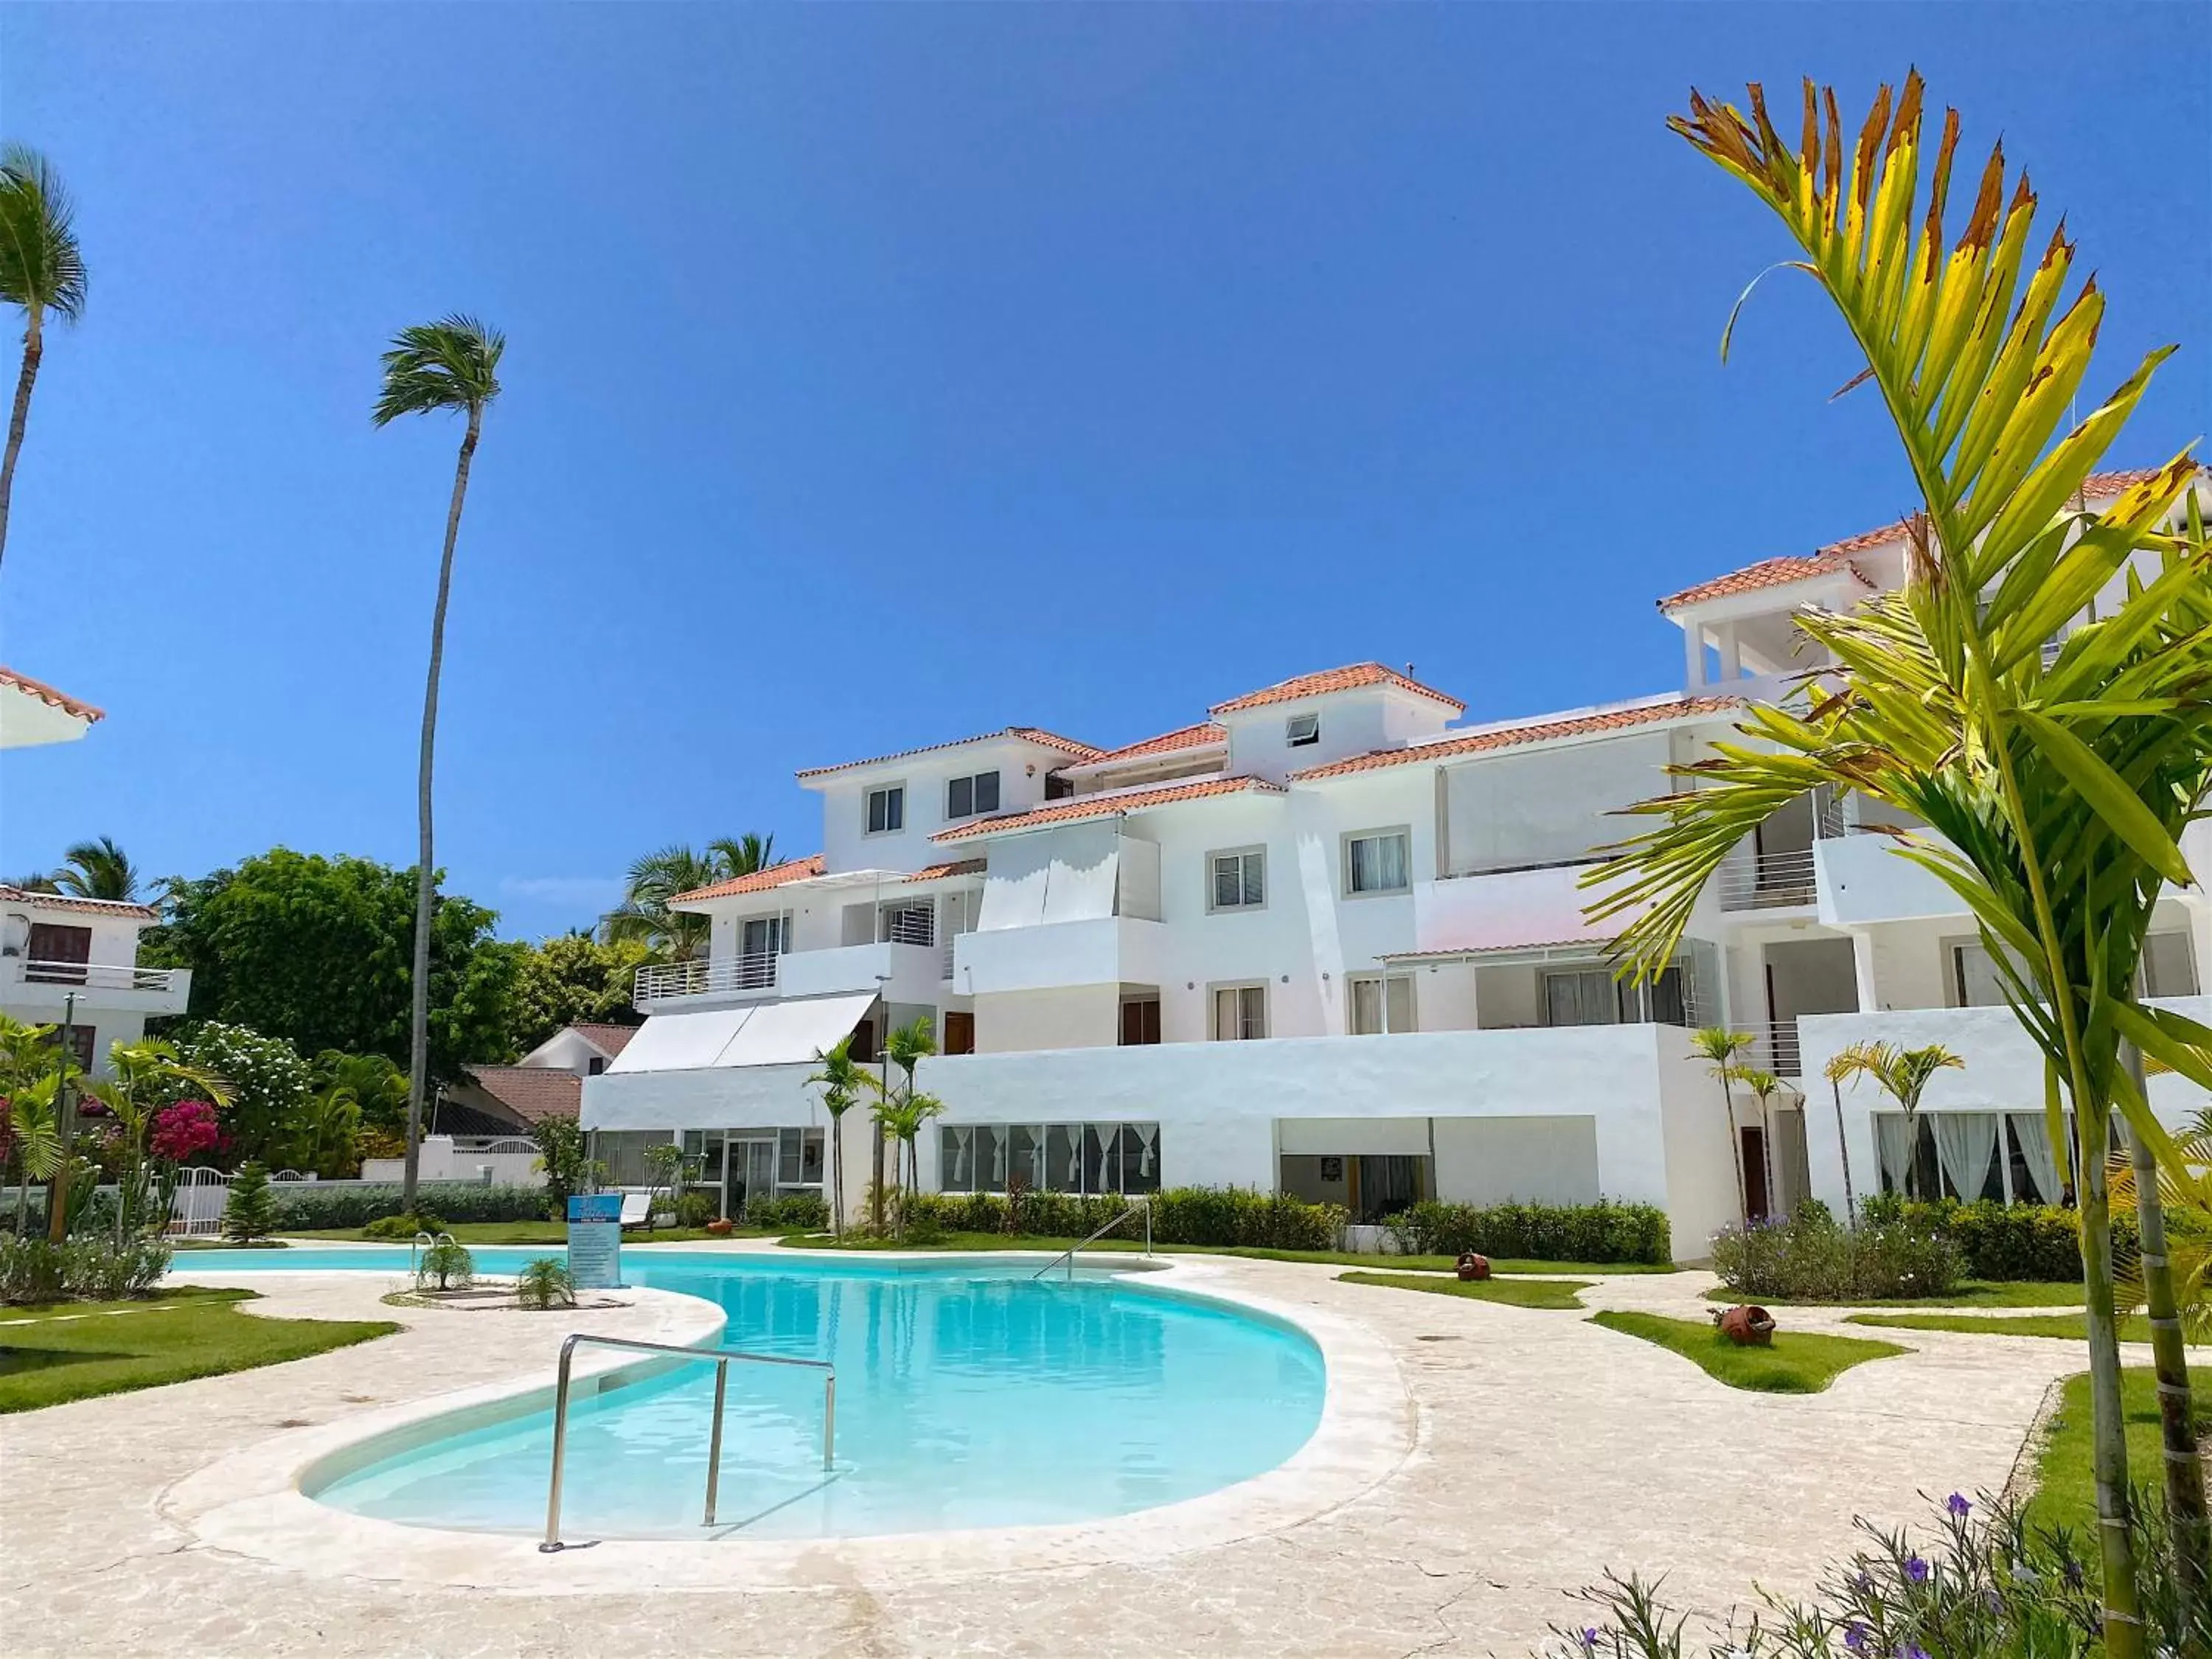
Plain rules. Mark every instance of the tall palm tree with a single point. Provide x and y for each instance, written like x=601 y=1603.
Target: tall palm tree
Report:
x=1843 y=1066
x=841 y=1080
x=450 y=366
x=1764 y=1086
x=1720 y=1048
x=741 y=855
x=2054 y=793
x=97 y=870
x=643 y=917
x=41 y=270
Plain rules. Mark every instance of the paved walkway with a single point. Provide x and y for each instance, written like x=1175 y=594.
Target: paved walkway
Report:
x=1543 y=1450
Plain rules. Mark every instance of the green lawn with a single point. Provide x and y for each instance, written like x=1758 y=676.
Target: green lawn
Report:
x=980 y=1242
x=2065 y=1492
x=1514 y=1292
x=2074 y=1327
x=49 y=1358
x=1967 y=1293
x=1800 y=1362
x=538 y=1233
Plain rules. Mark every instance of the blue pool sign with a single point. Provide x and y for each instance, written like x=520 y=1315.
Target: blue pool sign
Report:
x=595 y=1240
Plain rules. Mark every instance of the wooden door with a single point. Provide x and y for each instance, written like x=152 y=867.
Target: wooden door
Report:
x=959 y=1032
x=1754 y=1172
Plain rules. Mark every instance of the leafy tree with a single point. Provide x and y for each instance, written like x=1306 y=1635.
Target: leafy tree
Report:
x=568 y=1169
x=2055 y=790
x=41 y=270
x=643 y=917
x=572 y=979
x=316 y=951
x=268 y=1086
x=841 y=1079
x=98 y=870
x=374 y=1087
x=250 y=1212
x=448 y=367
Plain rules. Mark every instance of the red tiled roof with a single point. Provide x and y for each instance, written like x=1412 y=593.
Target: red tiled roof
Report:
x=10 y=894
x=1543 y=731
x=1185 y=737
x=610 y=1039
x=46 y=693
x=1029 y=734
x=759 y=882
x=531 y=1092
x=1334 y=679
x=1106 y=803
x=958 y=867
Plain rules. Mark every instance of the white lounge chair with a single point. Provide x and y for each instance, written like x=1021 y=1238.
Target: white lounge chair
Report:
x=637 y=1210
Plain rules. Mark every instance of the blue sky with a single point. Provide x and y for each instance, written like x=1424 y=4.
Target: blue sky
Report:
x=882 y=375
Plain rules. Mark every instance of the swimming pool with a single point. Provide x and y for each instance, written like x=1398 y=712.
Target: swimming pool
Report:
x=968 y=1394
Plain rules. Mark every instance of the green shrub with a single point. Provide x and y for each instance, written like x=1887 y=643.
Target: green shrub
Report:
x=545 y=1283
x=90 y=1267
x=1809 y=1257
x=2010 y=1242
x=250 y=1212
x=1604 y=1231
x=315 y=1205
x=794 y=1212
x=694 y=1210
x=1181 y=1215
x=405 y=1227
x=448 y=1262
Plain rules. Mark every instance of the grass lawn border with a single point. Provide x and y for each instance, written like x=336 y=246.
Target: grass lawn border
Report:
x=978 y=1243
x=1799 y=1361
x=1546 y=1293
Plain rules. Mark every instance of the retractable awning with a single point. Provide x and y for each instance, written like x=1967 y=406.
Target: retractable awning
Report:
x=763 y=1033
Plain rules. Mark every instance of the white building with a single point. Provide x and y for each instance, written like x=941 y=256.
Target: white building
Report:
x=1329 y=941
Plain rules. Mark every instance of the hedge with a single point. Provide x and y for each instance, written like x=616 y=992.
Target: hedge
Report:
x=315 y=1205
x=85 y=1268
x=1599 y=1232
x=1181 y=1215
x=2009 y=1242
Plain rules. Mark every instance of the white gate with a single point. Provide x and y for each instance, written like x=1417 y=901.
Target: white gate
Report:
x=195 y=1207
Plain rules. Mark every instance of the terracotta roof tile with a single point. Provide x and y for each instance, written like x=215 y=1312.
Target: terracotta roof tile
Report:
x=46 y=693
x=1542 y=731
x=1347 y=678
x=1183 y=737
x=1108 y=803
x=759 y=882
x=958 y=867
x=610 y=1039
x=1031 y=733
x=10 y=894
x=465 y=1117
x=531 y=1092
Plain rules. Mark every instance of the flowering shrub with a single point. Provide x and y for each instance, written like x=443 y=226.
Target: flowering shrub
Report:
x=1986 y=1586
x=1809 y=1258
x=184 y=1131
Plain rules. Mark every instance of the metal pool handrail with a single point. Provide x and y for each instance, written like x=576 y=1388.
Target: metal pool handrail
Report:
x=1068 y=1255
x=721 y=1357
x=422 y=1239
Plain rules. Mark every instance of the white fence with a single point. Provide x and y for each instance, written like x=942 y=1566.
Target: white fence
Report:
x=510 y=1161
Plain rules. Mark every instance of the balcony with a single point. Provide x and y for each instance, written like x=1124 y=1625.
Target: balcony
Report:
x=1768 y=881
x=1102 y=950
x=899 y=972
x=44 y=988
x=746 y=976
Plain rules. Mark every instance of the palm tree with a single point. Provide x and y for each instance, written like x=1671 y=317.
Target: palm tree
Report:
x=1843 y=1066
x=2053 y=793
x=906 y=1048
x=451 y=366
x=1903 y=1074
x=643 y=917
x=1719 y=1046
x=841 y=1080
x=33 y=1136
x=41 y=270
x=97 y=870
x=741 y=855
x=1765 y=1084
x=144 y=1077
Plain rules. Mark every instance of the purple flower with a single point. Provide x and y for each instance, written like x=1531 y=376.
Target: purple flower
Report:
x=1590 y=1636
x=1910 y=1650
x=1916 y=1570
x=1854 y=1637
x=1957 y=1503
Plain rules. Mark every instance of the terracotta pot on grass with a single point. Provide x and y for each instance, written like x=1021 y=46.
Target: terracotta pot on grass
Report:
x=1748 y=1327
x=720 y=1229
x=1472 y=1266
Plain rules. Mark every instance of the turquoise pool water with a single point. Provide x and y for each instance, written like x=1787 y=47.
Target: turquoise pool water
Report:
x=968 y=1395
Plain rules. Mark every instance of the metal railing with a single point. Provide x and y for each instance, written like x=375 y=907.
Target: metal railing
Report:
x=1779 y=1049
x=1766 y=881
x=753 y=972
x=721 y=1358
x=1068 y=1255
x=425 y=1242
x=102 y=975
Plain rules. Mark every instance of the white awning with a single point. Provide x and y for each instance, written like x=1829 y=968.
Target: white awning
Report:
x=784 y=1033
x=679 y=1041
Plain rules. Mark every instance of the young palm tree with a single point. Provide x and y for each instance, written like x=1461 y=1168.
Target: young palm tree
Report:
x=41 y=270
x=98 y=870
x=1720 y=1048
x=33 y=1139
x=2054 y=793
x=451 y=366
x=1764 y=1086
x=1843 y=1066
x=144 y=1077
x=841 y=1080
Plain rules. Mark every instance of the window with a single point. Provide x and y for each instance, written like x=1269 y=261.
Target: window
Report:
x=1975 y=981
x=1376 y=862
x=1057 y=786
x=761 y=940
x=2166 y=968
x=1239 y=880
x=82 y=1046
x=913 y=923
x=971 y=797
x=595 y=1065
x=1301 y=731
x=1059 y=1157
x=1140 y=1022
x=1582 y=996
x=887 y=809
x=1381 y=1003
x=1240 y=1013
x=57 y=954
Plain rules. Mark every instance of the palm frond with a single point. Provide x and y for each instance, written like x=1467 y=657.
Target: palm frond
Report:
x=41 y=265
x=450 y=364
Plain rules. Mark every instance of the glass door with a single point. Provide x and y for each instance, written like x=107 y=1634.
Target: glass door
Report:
x=751 y=1172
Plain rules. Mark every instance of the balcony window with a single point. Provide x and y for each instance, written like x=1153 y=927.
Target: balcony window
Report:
x=971 y=797
x=1582 y=996
x=1301 y=731
x=761 y=940
x=1239 y=879
x=1240 y=1013
x=1380 y=1004
x=57 y=954
x=887 y=809
x=1378 y=861
x=914 y=923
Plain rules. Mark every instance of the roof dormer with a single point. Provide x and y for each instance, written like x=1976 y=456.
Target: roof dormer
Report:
x=1315 y=719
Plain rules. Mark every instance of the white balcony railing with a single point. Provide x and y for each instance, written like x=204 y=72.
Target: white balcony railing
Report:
x=102 y=976
x=1768 y=881
x=1779 y=1049
x=698 y=978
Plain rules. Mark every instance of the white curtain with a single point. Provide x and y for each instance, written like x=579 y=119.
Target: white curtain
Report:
x=1963 y=1143
x=1146 y=1134
x=2042 y=1161
x=963 y=1141
x=999 y=1139
x=1893 y=1135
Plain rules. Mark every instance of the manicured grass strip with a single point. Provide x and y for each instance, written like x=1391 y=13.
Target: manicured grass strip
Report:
x=1967 y=1293
x=2065 y=1488
x=538 y=1233
x=1513 y=1292
x=1800 y=1362
x=56 y=1360
x=2073 y=1326
x=138 y=1304
x=963 y=1243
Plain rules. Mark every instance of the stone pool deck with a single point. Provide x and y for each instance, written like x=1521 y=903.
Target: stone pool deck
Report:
x=1512 y=1456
